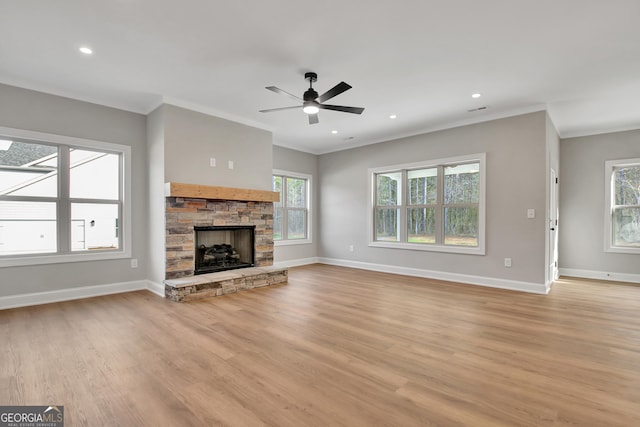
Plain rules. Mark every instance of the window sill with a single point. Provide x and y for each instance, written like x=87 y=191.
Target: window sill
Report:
x=292 y=242
x=429 y=248
x=622 y=250
x=39 y=259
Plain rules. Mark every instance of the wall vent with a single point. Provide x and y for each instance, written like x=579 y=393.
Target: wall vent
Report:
x=473 y=110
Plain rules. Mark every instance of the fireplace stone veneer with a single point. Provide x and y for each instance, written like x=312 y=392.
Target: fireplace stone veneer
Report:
x=183 y=214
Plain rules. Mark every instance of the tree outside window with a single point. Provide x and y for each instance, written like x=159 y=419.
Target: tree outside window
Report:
x=431 y=206
x=623 y=212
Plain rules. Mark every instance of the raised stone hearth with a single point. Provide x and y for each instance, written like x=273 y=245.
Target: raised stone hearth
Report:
x=189 y=206
x=224 y=282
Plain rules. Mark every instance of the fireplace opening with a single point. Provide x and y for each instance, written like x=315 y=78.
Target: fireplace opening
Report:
x=223 y=248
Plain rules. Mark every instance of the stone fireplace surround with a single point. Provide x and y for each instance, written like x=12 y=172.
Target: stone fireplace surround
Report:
x=188 y=206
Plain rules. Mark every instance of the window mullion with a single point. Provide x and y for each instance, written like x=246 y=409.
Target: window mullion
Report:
x=439 y=211
x=402 y=220
x=63 y=204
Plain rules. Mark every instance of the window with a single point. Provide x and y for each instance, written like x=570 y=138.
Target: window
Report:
x=622 y=214
x=434 y=206
x=291 y=215
x=62 y=199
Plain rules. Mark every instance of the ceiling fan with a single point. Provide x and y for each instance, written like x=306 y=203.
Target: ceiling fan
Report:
x=312 y=103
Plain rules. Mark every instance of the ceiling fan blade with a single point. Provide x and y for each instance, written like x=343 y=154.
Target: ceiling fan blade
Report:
x=354 y=110
x=283 y=92
x=334 y=91
x=313 y=119
x=281 y=108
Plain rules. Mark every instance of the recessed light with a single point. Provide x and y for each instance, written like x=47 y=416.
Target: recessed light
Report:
x=5 y=144
x=476 y=95
x=86 y=50
x=334 y=132
x=393 y=116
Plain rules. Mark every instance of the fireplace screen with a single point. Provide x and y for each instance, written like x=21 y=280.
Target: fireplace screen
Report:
x=223 y=248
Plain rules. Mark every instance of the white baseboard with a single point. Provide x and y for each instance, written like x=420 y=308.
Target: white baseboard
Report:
x=514 y=285
x=296 y=262
x=23 y=300
x=600 y=275
x=156 y=288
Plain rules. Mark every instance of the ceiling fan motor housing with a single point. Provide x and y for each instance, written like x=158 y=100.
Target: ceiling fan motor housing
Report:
x=310 y=95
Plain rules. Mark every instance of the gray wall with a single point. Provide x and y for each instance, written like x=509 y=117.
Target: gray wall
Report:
x=192 y=138
x=35 y=111
x=516 y=180
x=582 y=202
x=174 y=144
x=298 y=161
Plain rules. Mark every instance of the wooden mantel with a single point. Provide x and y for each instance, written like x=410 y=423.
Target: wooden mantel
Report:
x=195 y=191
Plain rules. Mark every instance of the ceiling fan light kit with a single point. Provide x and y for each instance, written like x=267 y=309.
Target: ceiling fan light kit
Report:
x=312 y=103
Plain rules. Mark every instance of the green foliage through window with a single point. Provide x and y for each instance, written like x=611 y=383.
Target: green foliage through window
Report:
x=440 y=205
x=626 y=209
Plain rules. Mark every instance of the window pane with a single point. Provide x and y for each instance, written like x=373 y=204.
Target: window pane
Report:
x=627 y=185
x=422 y=186
x=387 y=225
x=277 y=186
x=388 y=188
x=94 y=226
x=28 y=169
x=461 y=226
x=421 y=225
x=462 y=183
x=277 y=224
x=296 y=224
x=626 y=227
x=296 y=193
x=27 y=227
x=94 y=175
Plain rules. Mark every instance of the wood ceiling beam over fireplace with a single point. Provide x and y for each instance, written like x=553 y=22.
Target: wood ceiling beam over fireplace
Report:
x=176 y=189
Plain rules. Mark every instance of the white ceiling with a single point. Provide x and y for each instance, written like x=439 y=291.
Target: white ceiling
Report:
x=419 y=59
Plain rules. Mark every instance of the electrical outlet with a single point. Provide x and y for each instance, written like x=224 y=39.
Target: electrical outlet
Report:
x=230 y=164
x=212 y=162
x=350 y=248
x=134 y=263
x=507 y=262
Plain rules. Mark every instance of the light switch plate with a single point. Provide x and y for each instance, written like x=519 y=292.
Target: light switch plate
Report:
x=531 y=213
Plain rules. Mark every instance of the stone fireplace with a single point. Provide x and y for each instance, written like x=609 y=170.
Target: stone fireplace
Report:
x=191 y=208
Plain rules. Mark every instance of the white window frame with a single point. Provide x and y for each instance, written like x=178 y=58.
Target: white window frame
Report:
x=403 y=244
x=309 y=239
x=124 y=224
x=609 y=195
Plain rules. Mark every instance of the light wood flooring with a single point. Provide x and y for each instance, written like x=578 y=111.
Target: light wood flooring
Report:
x=334 y=347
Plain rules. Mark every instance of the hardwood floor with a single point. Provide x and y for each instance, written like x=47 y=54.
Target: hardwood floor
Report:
x=334 y=347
